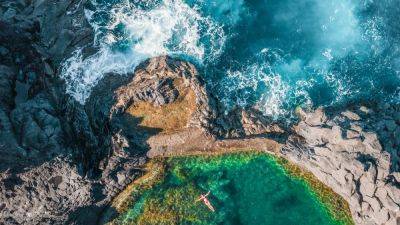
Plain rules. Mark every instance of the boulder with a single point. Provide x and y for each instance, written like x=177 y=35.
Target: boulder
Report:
x=351 y=115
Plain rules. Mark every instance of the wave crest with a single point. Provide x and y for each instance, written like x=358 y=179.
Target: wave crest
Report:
x=127 y=34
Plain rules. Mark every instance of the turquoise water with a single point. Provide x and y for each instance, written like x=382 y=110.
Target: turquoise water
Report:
x=275 y=54
x=244 y=189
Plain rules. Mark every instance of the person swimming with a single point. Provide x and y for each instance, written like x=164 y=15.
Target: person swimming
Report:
x=206 y=201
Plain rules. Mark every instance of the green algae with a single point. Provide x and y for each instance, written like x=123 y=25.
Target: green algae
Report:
x=334 y=203
x=246 y=188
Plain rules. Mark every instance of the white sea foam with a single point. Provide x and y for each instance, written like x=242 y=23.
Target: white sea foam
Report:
x=281 y=93
x=170 y=27
x=277 y=92
x=272 y=101
x=278 y=78
x=288 y=80
x=339 y=34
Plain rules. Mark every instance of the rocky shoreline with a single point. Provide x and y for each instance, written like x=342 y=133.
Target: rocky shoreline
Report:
x=62 y=162
x=345 y=154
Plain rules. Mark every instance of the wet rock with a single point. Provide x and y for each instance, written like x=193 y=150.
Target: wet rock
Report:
x=48 y=70
x=360 y=158
x=365 y=110
x=61 y=160
x=351 y=115
x=37 y=126
x=316 y=118
x=59 y=32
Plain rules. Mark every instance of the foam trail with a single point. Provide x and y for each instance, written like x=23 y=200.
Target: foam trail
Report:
x=297 y=41
x=274 y=54
x=170 y=27
x=273 y=90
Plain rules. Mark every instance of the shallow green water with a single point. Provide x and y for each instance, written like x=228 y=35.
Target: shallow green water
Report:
x=245 y=189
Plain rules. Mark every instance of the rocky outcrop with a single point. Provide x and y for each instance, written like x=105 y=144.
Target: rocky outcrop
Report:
x=56 y=28
x=52 y=167
x=345 y=153
x=176 y=114
x=342 y=150
x=41 y=194
x=245 y=122
x=62 y=162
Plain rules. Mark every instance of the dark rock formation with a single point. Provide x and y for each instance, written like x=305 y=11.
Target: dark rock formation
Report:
x=52 y=166
x=62 y=162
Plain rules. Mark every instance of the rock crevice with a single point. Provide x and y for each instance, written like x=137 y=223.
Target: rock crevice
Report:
x=62 y=162
x=357 y=166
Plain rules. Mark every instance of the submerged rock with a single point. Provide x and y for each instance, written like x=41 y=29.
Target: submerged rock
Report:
x=62 y=162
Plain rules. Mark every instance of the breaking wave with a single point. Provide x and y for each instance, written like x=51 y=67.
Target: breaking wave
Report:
x=275 y=55
x=128 y=33
x=309 y=53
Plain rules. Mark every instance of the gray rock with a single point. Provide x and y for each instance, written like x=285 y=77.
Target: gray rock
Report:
x=357 y=167
x=53 y=145
x=367 y=186
x=59 y=33
x=350 y=134
x=121 y=178
x=316 y=118
x=365 y=110
x=356 y=127
x=351 y=115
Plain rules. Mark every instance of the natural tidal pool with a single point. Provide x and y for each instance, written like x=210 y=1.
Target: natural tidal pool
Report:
x=244 y=189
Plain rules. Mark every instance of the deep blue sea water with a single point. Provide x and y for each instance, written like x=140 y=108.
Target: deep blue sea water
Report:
x=273 y=54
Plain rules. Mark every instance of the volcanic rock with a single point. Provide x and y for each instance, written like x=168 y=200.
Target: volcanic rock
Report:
x=354 y=165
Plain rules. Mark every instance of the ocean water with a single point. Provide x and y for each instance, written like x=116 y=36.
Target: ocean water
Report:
x=244 y=190
x=272 y=54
